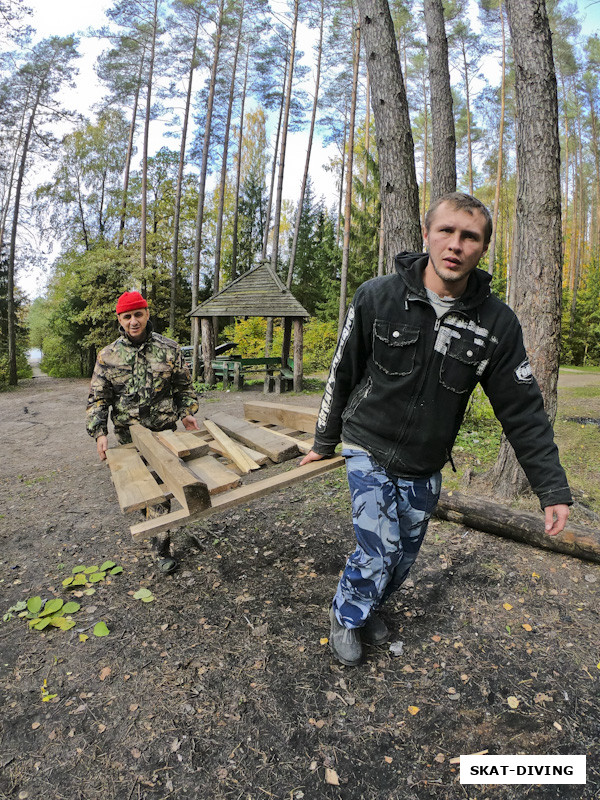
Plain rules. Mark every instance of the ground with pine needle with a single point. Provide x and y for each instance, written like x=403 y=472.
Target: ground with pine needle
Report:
x=217 y=682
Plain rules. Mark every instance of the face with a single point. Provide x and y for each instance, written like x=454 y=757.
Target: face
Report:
x=455 y=240
x=134 y=323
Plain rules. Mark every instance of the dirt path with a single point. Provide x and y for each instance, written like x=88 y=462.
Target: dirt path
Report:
x=223 y=686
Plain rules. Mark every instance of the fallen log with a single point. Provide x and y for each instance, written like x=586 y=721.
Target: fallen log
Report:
x=522 y=526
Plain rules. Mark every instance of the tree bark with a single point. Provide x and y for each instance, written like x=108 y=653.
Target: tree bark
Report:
x=179 y=188
x=443 y=137
x=522 y=526
x=202 y=188
x=274 y=167
x=348 y=203
x=496 y=211
x=223 y=182
x=130 y=150
x=238 y=175
x=144 y=212
x=308 y=150
x=284 y=132
x=397 y=174
x=537 y=253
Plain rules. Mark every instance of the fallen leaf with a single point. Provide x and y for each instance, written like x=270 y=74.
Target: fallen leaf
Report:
x=100 y=629
x=526 y=626
x=323 y=640
x=83 y=637
x=104 y=673
x=133 y=706
x=440 y=758
x=388 y=759
x=101 y=728
x=331 y=696
x=507 y=606
x=413 y=710
x=135 y=752
x=541 y=697
x=558 y=726
x=331 y=777
x=35 y=725
x=436 y=638
x=512 y=701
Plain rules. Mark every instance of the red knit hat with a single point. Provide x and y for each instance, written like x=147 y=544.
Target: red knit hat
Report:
x=129 y=301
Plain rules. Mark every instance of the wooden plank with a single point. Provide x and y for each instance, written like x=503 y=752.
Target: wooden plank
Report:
x=235 y=497
x=215 y=475
x=135 y=486
x=303 y=447
x=254 y=436
x=259 y=458
x=234 y=451
x=196 y=446
x=301 y=418
x=169 y=439
x=186 y=487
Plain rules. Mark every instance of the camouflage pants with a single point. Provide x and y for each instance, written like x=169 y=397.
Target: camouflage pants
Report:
x=390 y=517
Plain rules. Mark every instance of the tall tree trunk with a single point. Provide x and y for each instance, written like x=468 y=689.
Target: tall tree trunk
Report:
x=367 y=140
x=10 y=291
x=129 y=154
x=179 y=188
x=348 y=204
x=342 y=174
x=443 y=137
x=397 y=176
x=537 y=254
x=144 y=212
x=425 y=151
x=238 y=175
x=308 y=151
x=202 y=189
x=284 y=133
x=468 y=105
x=223 y=182
x=274 y=166
x=495 y=213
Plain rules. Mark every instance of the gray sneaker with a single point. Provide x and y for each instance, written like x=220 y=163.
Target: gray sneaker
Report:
x=344 y=642
x=374 y=631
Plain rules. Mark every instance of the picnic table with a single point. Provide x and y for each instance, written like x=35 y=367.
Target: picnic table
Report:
x=233 y=369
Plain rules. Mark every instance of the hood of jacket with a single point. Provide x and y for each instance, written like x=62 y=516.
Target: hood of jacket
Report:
x=410 y=267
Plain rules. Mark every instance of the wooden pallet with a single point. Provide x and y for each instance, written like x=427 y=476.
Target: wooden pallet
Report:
x=202 y=472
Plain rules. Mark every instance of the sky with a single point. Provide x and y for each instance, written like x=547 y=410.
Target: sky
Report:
x=63 y=17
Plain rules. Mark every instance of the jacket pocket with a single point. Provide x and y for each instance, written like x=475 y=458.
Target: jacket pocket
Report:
x=394 y=347
x=458 y=371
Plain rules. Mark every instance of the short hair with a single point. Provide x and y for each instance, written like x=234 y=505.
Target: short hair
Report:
x=462 y=202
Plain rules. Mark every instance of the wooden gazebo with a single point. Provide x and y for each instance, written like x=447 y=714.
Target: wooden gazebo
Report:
x=256 y=293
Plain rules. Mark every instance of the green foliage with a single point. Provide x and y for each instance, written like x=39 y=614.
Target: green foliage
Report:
x=320 y=338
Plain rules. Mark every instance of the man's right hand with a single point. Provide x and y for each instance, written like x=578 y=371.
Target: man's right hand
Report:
x=312 y=456
x=102 y=447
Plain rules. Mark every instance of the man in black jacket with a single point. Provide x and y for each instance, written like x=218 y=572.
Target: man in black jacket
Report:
x=413 y=347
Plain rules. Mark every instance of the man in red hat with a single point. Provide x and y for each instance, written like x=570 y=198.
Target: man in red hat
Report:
x=140 y=377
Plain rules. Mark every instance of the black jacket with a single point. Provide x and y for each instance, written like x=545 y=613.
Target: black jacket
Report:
x=401 y=378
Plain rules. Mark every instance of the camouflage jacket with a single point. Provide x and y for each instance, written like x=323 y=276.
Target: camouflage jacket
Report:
x=147 y=383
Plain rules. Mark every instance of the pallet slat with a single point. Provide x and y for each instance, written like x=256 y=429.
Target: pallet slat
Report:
x=234 y=451
x=135 y=486
x=301 y=418
x=254 y=436
x=215 y=475
x=186 y=487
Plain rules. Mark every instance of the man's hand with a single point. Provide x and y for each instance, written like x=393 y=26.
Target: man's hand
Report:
x=190 y=423
x=312 y=456
x=556 y=518
x=102 y=447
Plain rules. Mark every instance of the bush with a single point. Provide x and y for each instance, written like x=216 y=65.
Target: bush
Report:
x=319 y=340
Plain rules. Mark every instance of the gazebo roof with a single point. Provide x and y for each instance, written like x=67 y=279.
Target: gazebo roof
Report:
x=256 y=293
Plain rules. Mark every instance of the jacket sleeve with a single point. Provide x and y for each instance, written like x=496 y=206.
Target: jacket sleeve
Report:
x=100 y=399
x=519 y=406
x=346 y=371
x=184 y=395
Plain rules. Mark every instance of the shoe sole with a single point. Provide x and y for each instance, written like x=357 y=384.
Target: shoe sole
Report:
x=343 y=661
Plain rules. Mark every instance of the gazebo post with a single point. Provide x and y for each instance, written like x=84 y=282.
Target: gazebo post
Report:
x=298 y=353
x=208 y=349
x=287 y=339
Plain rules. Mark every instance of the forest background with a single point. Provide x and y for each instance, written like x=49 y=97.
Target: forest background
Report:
x=228 y=82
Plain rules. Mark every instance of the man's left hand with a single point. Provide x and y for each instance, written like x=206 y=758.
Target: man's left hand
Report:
x=190 y=423
x=556 y=518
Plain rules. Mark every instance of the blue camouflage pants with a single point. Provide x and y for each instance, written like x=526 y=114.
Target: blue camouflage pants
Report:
x=390 y=517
